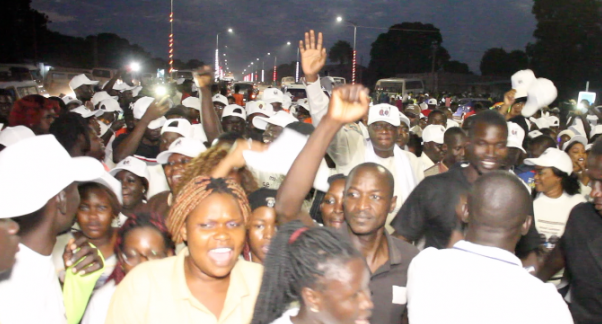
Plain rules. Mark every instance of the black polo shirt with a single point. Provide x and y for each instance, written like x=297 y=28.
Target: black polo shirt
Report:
x=147 y=153
x=388 y=283
x=430 y=212
x=582 y=247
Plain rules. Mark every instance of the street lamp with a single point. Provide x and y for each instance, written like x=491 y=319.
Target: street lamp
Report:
x=217 y=53
x=353 y=61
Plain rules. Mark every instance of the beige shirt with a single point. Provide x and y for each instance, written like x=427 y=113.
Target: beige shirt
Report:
x=156 y=293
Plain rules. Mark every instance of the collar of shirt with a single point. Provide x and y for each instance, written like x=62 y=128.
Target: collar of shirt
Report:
x=236 y=290
x=489 y=252
x=395 y=256
x=442 y=167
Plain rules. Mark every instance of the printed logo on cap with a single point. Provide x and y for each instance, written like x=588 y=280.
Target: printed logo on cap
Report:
x=514 y=132
x=178 y=142
x=260 y=106
x=270 y=201
x=385 y=111
x=126 y=162
x=276 y=92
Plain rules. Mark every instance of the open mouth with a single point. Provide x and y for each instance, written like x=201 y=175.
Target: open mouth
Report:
x=221 y=256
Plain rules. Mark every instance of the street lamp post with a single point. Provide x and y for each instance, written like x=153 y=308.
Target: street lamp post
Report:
x=217 y=54
x=354 y=58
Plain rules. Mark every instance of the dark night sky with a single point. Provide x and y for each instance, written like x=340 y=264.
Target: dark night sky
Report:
x=469 y=27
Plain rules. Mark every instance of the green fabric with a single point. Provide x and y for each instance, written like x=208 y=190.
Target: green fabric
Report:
x=78 y=289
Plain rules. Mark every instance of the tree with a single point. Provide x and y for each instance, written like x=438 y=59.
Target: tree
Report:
x=341 y=52
x=456 y=67
x=193 y=64
x=567 y=49
x=498 y=62
x=407 y=48
x=21 y=29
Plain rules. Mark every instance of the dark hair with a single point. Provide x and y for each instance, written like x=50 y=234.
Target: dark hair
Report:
x=85 y=188
x=68 y=127
x=297 y=258
x=451 y=133
x=138 y=220
x=60 y=102
x=570 y=146
x=596 y=147
x=594 y=138
x=415 y=142
x=545 y=141
x=569 y=182
x=336 y=177
x=490 y=118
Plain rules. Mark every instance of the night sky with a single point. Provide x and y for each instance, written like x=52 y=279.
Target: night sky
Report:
x=469 y=27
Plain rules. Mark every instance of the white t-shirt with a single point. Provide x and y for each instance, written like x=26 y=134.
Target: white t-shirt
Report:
x=30 y=292
x=425 y=161
x=285 y=318
x=551 y=215
x=98 y=307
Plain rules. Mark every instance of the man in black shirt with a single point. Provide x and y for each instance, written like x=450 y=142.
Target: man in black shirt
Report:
x=580 y=249
x=430 y=213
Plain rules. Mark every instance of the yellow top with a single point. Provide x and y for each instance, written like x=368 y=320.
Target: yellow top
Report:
x=156 y=292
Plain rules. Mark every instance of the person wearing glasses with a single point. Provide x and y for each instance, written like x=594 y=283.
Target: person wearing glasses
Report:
x=143 y=237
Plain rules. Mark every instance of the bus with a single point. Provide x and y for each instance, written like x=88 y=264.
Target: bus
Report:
x=399 y=86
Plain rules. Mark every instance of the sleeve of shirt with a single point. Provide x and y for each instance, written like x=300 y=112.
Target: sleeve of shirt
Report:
x=318 y=102
x=344 y=145
x=411 y=218
x=130 y=301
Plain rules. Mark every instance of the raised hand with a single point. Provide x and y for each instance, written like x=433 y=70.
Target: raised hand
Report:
x=313 y=56
x=235 y=156
x=156 y=110
x=348 y=103
x=204 y=76
x=80 y=251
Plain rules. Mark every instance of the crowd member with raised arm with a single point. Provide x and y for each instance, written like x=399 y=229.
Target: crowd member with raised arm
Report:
x=349 y=148
x=367 y=200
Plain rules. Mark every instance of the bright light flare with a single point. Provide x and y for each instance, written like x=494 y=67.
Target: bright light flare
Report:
x=135 y=66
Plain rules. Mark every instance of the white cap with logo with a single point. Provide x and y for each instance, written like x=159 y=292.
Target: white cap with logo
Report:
x=259 y=107
x=234 y=111
x=516 y=135
x=271 y=95
x=12 y=135
x=80 y=80
x=553 y=157
x=185 y=146
x=140 y=107
x=220 y=99
x=110 y=105
x=521 y=81
x=433 y=133
x=87 y=113
x=384 y=112
x=192 y=102
x=28 y=187
x=281 y=118
x=100 y=96
x=541 y=93
x=132 y=165
x=577 y=138
x=432 y=102
x=68 y=99
x=180 y=126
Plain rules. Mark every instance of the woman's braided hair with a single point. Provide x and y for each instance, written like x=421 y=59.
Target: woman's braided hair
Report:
x=298 y=257
x=206 y=162
x=193 y=194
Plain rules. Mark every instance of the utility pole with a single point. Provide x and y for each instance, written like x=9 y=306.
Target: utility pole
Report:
x=435 y=47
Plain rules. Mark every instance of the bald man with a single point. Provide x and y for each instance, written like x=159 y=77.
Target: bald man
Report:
x=480 y=279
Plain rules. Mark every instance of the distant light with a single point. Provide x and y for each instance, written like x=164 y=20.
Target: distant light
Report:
x=135 y=66
x=339 y=19
x=224 y=54
x=268 y=53
x=288 y=43
x=229 y=30
x=258 y=59
x=160 y=90
x=252 y=63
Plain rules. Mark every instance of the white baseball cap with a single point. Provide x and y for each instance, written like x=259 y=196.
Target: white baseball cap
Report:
x=535 y=134
x=597 y=130
x=304 y=103
x=132 y=165
x=553 y=121
x=384 y=112
x=451 y=123
x=12 y=135
x=68 y=99
x=521 y=81
x=432 y=101
x=259 y=107
x=80 y=80
x=540 y=94
x=281 y=118
x=185 y=146
x=553 y=157
x=27 y=186
x=220 y=98
x=110 y=105
x=180 y=81
x=516 y=135
x=87 y=113
x=541 y=123
x=123 y=87
x=234 y=110
x=180 y=126
x=271 y=95
x=433 y=133
x=107 y=180
x=404 y=119
x=136 y=91
x=287 y=101
x=577 y=138
x=192 y=102
x=140 y=107
x=100 y=96
x=567 y=132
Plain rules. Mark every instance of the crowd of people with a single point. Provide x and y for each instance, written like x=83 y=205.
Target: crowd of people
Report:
x=194 y=207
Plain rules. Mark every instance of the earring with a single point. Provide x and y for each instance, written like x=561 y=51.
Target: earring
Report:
x=313 y=309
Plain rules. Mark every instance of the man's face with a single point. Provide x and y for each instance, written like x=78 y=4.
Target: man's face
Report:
x=367 y=201
x=167 y=139
x=456 y=150
x=126 y=98
x=151 y=134
x=174 y=169
x=271 y=133
x=594 y=171
x=437 y=119
x=487 y=150
x=383 y=135
x=6 y=105
x=84 y=93
x=277 y=106
x=219 y=108
x=517 y=109
x=563 y=139
x=403 y=135
x=48 y=117
x=413 y=118
x=434 y=151
x=233 y=124
x=194 y=115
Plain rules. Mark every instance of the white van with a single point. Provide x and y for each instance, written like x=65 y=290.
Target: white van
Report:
x=57 y=80
x=286 y=81
x=103 y=75
x=339 y=81
x=395 y=86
